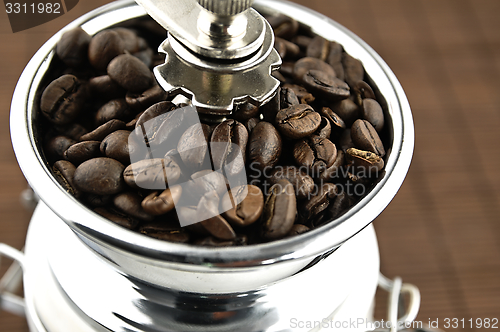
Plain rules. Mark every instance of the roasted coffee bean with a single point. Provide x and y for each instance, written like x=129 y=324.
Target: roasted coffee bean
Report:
x=154 y=173
x=332 y=173
x=114 y=109
x=298 y=121
x=362 y=90
x=290 y=50
x=116 y=146
x=193 y=147
x=297 y=229
x=279 y=211
x=105 y=87
x=373 y=113
x=73 y=131
x=335 y=59
x=144 y=100
x=214 y=223
x=347 y=110
x=245 y=111
x=306 y=64
x=228 y=146
x=336 y=123
x=56 y=146
x=304 y=96
x=250 y=124
x=104 y=130
x=286 y=68
x=202 y=182
x=269 y=110
x=130 y=203
x=190 y=213
x=315 y=153
x=155 y=112
x=103 y=47
x=100 y=176
x=340 y=205
x=130 y=73
x=146 y=56
x=98 y=200
x=325 y=85
x=325 y=129
x=63 y=99
x=131 y=42
x=243 y=205
x=301 y=181
x=288 y=97
x=264 y=147
x=353 y=69
x=164 y=230
x=345 y=141
x=365 y=137
x=214 y=242
x=117 y=217
x=73 y=46
x=283 y=26
x=318 y=202
x=83 y=151
x=158 y=203
x=366 y=163
x=64 y=172
x=280 y=47
x=318 y=48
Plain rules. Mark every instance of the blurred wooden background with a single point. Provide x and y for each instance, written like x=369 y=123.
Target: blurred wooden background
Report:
x=442 y=231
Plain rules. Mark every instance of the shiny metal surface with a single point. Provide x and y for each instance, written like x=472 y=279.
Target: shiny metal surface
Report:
x=224 y=270
x=208 y=34
x=73 y=290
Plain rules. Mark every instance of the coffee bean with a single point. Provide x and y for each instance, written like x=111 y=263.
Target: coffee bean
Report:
x=105 y=87
x=245 y=111
x=301 y=181
x=73 y=131
x=164 y=230
x=337 y=125
x=116 y=146
x=142 y=101
x=298 y=121
x=117 y=217
x=304 y=96
x=214 y=223
x=104 y=130
x=130 y=203
x=243 y=205
x=100 y=176
x=289 y=50
x=146 y=56
x=193 y=147
x=202 y=182
x=347 y=110
x=297 y=229
x=64 y=172
x=73 y=46
x=103 y=47
x=365 y=137
x=332 y=173
x=154 y=173
x=325 y=85
x=318 y=48
x=56 y=146
x=250 y=124
x=114 y=109
x=228 y=146
x=160 y=203
x=315 y=153
x=318 y=202
x=154 y=112
x=353 y=69
x=131 y=42
x=279 y=211
x=362 y=90
x=335 y=59
x=366 y=163
x=214 y=242
x=340 y=205
x=306 y=64
x=98 y=200
x=264 y=147
x=63 y=99
x=288 y=97
x=130 y=73
x=283 y=26
x=83 y=151
x=325 y=129
x=373 y=113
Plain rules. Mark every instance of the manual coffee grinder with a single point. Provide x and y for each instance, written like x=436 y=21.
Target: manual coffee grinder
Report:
x=84 y=273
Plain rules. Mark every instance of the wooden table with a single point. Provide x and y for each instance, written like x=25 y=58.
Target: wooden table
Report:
x=442 y=231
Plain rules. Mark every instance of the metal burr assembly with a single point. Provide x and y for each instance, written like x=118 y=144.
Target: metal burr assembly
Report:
x=218 y=52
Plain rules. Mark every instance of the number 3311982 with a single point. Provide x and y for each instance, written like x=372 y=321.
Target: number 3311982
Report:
x=39 y=8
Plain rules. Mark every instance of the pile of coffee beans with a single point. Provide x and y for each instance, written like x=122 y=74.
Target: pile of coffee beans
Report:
x=307 y=156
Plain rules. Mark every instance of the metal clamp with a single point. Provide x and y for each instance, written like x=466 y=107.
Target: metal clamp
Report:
x=11 y=281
